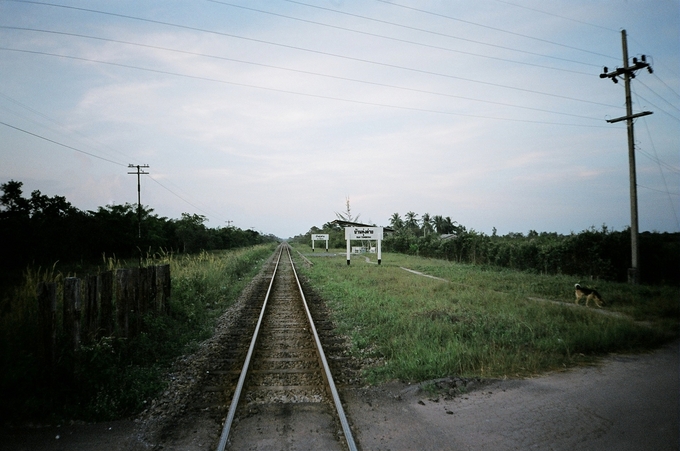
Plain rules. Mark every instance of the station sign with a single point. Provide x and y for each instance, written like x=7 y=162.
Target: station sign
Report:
x=320 y=237
x=363 y=233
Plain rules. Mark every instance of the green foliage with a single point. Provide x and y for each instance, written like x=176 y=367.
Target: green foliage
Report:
x=481 y=322
x=42 y=229
x=592 y=254
x=336 y=236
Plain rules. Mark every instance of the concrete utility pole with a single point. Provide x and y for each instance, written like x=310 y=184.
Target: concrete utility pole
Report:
x=139 y=172
x=628 y=73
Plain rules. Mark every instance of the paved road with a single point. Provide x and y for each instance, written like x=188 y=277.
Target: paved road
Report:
x=625 y=403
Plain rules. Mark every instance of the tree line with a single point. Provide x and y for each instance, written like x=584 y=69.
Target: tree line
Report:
x=41 y=229
x=592 y=253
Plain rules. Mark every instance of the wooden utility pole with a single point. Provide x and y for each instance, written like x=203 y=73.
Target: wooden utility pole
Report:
x=628 y=73
x=139 y=172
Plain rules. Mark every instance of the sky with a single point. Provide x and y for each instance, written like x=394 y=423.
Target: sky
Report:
x=268 y=115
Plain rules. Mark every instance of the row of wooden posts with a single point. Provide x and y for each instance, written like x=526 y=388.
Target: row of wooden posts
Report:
x=107 y=304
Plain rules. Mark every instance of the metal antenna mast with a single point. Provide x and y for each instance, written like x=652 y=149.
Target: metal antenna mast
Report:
x=628 y=73
x=139 y=172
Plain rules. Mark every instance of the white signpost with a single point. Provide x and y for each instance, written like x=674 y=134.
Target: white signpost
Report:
x=365 y=234
x=319 y=237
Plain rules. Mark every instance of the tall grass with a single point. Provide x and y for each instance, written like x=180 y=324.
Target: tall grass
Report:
x=480 y=322
x=113 y=377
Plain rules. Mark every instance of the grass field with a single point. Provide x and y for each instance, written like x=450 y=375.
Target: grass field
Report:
x=480 y=322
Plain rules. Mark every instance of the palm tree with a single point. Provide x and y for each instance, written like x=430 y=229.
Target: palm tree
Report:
x=449 y=226
x=411 y=221
x=396 y=222
x=427 y=224
x=438 y=222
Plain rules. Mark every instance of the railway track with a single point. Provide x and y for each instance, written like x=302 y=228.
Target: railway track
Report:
x=283 y=396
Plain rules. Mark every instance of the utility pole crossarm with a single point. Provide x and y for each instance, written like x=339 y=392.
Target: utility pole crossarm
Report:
x=627 y=70
x=633 y=116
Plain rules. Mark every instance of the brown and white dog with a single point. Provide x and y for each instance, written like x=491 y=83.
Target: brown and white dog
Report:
x=589 y=294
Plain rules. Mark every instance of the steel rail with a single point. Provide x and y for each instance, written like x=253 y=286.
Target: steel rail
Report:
x=246 y=365
x=327 y=371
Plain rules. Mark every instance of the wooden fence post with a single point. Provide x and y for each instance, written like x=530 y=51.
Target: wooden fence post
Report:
x=136 y=301
x=150 y=282
x=47 y=321
x=72 y=311
x=163 y=288
x=106 y=303
x=123 y=301
x=147 y=289
x=91 y=307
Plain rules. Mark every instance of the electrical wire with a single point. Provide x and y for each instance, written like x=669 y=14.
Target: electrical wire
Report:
x=664 y=83
x=107 y=160
x=62 y=126
x=491 y=28
x=558 y=16
x=102 y=158
x=361 y=60
x=418 y=43
x=335 y=77
x=322 y=75
x=186 y=201
x=658 y=95
x=284 y=91
x=657 y=107
x=663 y=177
x=62 y=145
x=196 y=77
x=664 y=192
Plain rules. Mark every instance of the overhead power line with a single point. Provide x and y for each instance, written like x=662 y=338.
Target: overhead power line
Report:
x=129 y=66
x=423 y=30
x=108 y=161
x=664 y=83
x=659 y=96
x=54 y=121
x=185 y=200
x=62 y=145
x=318 y=96
x=493 y=28
x=558 y=15
x=657 y=107
x=659 y=190
x=299 y=71
x=318 y=52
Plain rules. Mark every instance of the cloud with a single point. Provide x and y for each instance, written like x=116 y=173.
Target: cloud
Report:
x=473 y=136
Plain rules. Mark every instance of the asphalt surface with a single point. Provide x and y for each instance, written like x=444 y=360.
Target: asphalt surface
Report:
x=625 y=403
